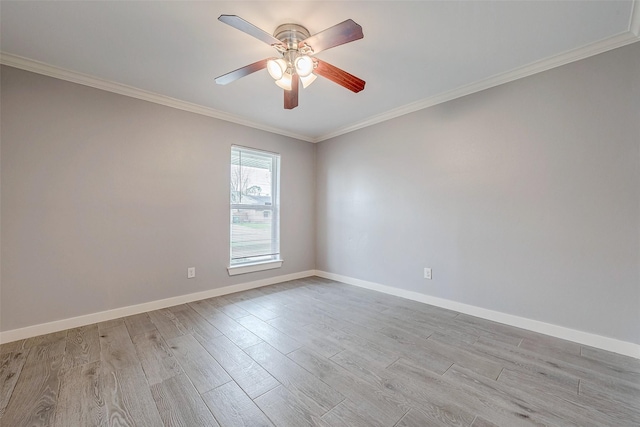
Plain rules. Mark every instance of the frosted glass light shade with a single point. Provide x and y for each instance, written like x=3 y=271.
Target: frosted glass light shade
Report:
x=304 y=65
x=276 y=68
x=307 y=80
x=285 y=81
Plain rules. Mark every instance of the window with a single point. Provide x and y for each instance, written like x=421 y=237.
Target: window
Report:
x=255 y=200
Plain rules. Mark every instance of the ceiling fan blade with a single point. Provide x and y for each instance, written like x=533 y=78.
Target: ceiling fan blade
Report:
x=339 y=76
x=291 y=96
x=241 y=72
x=247 y=27
x=342 y=33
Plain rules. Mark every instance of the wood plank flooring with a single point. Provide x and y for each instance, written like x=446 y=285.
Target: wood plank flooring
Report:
x=312 y=352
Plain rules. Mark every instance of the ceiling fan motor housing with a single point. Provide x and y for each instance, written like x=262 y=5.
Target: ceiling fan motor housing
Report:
x=291 y=34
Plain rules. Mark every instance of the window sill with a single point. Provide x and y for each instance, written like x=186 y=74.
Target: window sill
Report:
x=251 y=268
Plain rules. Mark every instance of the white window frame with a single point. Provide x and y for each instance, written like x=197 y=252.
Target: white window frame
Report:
x=275 y=261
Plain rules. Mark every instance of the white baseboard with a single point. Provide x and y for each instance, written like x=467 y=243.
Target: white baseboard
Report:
x=88 y=319
x=586 y=338
x=580 y=337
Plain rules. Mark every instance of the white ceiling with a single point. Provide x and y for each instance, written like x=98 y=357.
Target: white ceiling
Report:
x=413 y=54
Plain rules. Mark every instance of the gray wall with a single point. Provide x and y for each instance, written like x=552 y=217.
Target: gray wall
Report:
x=106 y=200
x=523 y=198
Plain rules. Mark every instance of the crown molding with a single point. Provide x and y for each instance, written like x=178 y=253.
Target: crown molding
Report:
x=498 y=79
x=623 y=39
x=634 y=22
x=110 y=86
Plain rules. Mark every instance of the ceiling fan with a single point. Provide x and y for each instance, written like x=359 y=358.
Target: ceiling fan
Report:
x=296 y=62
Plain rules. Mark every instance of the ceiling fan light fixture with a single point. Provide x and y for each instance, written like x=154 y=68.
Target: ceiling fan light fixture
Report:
x=304 y=65
x=285 y=81
x=277 y=68
x=307 y=80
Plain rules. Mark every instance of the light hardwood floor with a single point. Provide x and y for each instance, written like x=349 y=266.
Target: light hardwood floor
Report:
x=312 y=352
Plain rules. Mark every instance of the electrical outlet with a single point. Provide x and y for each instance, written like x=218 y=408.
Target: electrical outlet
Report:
x=427 y=273
x=191 y=272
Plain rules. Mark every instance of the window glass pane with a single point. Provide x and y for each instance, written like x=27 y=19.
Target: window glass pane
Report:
x=252 y=232
x=254 y=206
x=251 y=178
